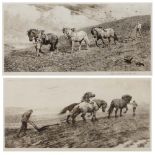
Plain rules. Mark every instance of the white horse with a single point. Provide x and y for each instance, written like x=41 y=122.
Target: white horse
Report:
x=100 y=33
x=86 y=98
x=84 y=107
x=74 y=36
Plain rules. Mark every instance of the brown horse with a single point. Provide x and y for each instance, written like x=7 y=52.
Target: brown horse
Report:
x=41 y=38
x=119 y=104
x=100 y=34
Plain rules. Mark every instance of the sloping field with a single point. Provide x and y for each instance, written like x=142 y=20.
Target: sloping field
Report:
x=95 y=59
x=122 y=132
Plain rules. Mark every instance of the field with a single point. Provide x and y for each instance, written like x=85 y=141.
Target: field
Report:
x=125 y=132
x=95 y=59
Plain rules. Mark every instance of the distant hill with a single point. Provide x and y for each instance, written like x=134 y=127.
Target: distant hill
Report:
x=124 y=26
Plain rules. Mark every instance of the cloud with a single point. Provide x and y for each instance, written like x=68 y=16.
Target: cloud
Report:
x=18 y=18
x=60 y=17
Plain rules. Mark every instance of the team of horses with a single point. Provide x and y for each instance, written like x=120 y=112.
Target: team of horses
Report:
x=40 y=38
x=90 y=105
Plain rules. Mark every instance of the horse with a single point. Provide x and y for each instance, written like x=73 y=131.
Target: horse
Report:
x=100 y=33
x=97 y=104
x=119 y=104
x=85 y=106
x=74 y=36
x=85 y=98
x=41 y=38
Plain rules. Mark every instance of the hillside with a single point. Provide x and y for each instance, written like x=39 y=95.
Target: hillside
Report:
x=95 y=59
x=123 y=27
x=122 y=133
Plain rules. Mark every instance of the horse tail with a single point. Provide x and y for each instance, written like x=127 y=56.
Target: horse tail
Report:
x=68 y=108
x=115 y=36
x=110 y=110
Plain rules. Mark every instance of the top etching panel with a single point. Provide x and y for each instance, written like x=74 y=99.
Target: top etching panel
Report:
x=77 y=39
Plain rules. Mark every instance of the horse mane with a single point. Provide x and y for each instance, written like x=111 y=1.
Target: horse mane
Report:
x=85 y=97
x=30 y=30
x=69 y=108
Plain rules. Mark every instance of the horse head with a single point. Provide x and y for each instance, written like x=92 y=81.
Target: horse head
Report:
x=67 y=32
x=94 y=32
x=104 y=106
x=73 y=29
x=87 y=96
x=101 y=104
x=32 y=34
x=63 y=30
x=127 y=98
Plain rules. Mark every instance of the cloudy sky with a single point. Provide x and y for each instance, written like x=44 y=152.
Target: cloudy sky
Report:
x=18 y=18
x=55 y=94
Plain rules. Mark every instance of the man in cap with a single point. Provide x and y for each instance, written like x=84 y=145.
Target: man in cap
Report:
x=25 y=119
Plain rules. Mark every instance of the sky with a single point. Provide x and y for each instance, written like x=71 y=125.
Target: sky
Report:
x=55 y=94
x=20 y=17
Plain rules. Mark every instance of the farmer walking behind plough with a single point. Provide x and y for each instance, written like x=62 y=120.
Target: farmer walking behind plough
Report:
x=26 y=119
